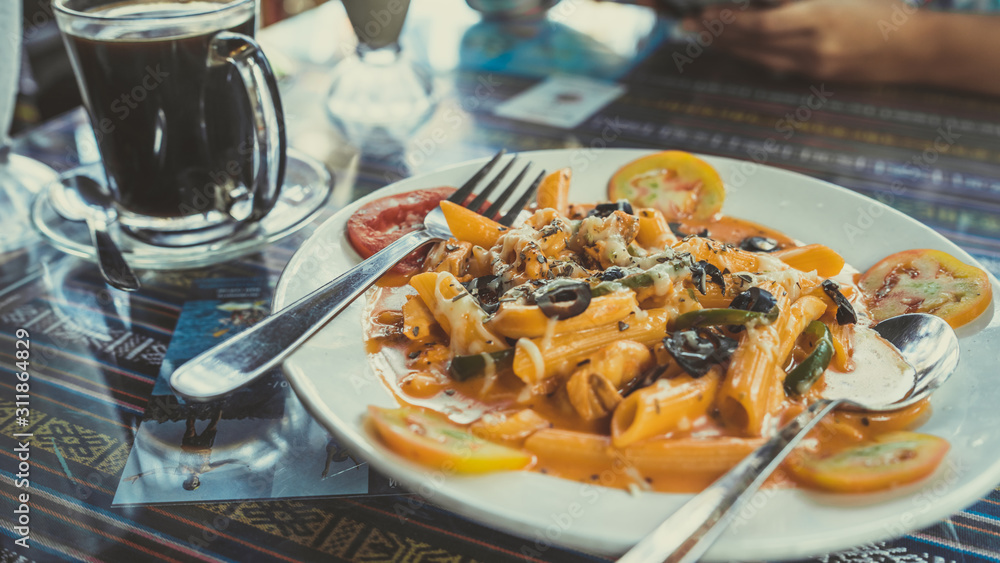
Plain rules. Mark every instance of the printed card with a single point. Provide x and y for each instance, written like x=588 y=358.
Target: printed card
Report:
x=257 y=443
x=561 y=101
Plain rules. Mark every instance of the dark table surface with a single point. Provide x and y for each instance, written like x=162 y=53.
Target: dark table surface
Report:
x=97 y=353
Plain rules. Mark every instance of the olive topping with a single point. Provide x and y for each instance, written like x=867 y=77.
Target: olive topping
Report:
x=486 y=290
x=676 y=229
x=603 y=210
x=563 y=298
x=645 y=379
x=845 y=311
x=702 y=271
x=759 y=244
x=611 y=274
x=754 y=299
x=697 y=350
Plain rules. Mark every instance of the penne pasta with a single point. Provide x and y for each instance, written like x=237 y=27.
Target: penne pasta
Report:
x=570 y=448
x=714 y=455
x=745 y=396
x=654 y=232
x=418 y=322
x=528 y=321
x=843 y=345
x=666 y=406
x=593 y=387
x=553 y=192
x=536 y=361
x=512 y=428
x=720 y=255
x=457 y=313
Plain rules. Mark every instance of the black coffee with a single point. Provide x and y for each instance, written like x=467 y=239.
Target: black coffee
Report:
x=173 y=133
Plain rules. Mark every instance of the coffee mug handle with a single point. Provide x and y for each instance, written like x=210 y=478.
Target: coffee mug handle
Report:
x=268 y=117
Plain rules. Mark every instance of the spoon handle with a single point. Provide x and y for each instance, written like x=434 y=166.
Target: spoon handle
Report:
x=688 y=533
x=114 y=268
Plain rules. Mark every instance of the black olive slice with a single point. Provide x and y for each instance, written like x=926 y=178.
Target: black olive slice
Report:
x=563 y=298
x=607 y=209
x=696 y=351
x=845 y=311
x=702 y=271
x=676 y=229
x=486 y=290
x=645 y=379
x=754 y=299
x=611 y=274
x=759 y=244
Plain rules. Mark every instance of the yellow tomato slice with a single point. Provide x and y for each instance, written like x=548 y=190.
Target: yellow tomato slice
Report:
x=926 y=281
x=467 y=225
x=679 y=184
x=433 y=441
x=894 y=459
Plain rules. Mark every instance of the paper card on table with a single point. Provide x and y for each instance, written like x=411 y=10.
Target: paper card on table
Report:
x=257 y=443
x=560 y=101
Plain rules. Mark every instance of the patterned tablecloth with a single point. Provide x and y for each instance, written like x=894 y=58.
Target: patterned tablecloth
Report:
x=96 y=354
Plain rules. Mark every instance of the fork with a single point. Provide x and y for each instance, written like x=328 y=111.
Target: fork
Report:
x=248 y=355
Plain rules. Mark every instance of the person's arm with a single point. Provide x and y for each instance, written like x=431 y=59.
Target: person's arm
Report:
x=877 y=41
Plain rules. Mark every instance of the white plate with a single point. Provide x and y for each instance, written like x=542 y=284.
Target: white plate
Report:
x=332 y=376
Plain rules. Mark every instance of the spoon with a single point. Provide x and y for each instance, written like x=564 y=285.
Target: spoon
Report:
x=926 y=342
x=81 y=198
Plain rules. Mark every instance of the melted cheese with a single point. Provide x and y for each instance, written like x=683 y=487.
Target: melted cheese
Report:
x=535 y=354
x=489 y=374
x=461 y=313
x=550 y=330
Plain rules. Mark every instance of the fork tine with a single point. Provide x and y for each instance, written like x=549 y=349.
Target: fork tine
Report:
x=498 y=202
x=463 y=192
x=481 y=198
x=522 y=201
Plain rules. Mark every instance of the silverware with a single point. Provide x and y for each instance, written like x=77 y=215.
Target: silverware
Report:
x=81 y=198
x=250 y=354
x=926 y=342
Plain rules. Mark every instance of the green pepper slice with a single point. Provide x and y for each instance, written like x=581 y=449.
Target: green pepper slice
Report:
x=800 y=379
x=467 y=367
x=716 y=317
x=634 y=281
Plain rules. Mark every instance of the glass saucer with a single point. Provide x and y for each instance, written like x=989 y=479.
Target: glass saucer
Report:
x=306 y=189
x=21 y=178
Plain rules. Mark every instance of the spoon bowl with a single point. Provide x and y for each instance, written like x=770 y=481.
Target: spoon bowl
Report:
x=81 y=198
x=929 y=346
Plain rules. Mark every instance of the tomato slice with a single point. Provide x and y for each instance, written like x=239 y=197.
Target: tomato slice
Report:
x=433 y=441
x=381 y=222
x=894 y=459
x=679 y=184
x=926 y=281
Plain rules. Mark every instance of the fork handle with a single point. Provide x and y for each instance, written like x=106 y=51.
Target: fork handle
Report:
x=688 y=533
x=248 y=355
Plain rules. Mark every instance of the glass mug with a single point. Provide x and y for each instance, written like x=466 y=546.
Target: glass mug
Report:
x=185 y=110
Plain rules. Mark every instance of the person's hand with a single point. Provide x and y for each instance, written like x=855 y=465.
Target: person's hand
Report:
x=851 y=40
